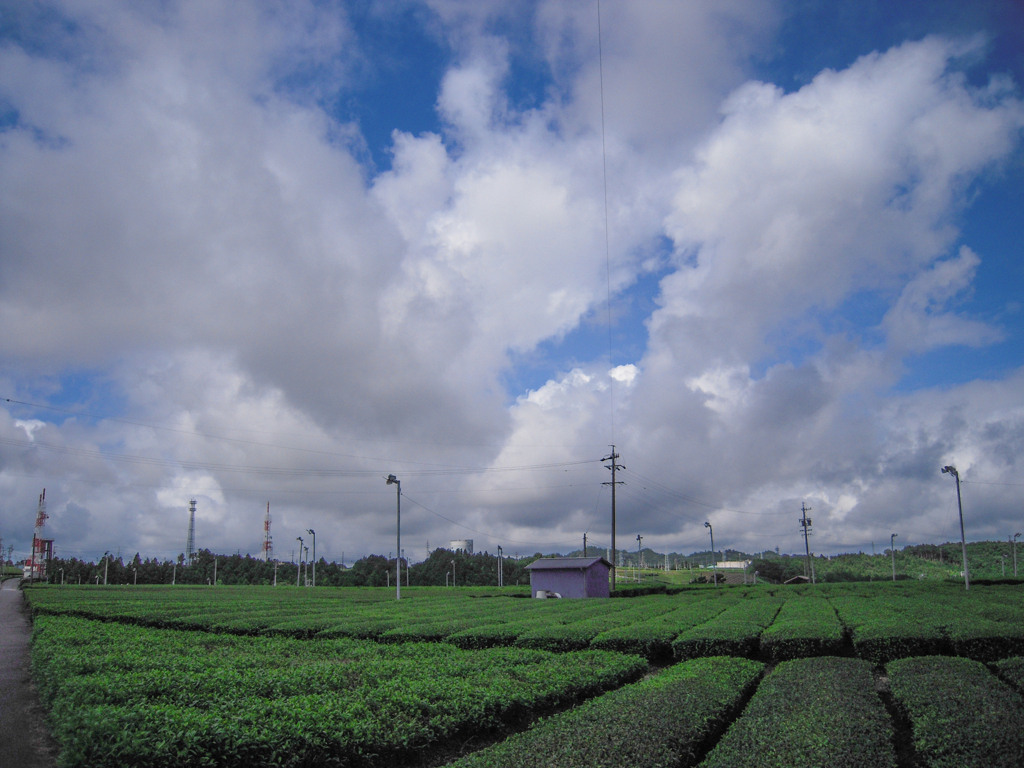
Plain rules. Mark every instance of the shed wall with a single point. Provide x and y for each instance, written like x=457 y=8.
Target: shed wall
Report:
x=568 y=583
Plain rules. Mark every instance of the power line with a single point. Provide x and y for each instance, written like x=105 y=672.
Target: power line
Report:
x=671 y=492
x=474 y=530
x=607 y=245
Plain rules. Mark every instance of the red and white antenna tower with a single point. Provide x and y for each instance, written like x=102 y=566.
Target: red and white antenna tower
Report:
x=40 y=546
x=268 y=542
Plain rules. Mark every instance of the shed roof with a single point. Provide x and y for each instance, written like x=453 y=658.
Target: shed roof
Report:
x=565 y=563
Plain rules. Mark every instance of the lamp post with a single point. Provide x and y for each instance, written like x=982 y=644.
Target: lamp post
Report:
x=312 y=533
x=298 y=568
x=1003 y=564
x=1015 y=537
x=453 y=573
x=892 y=548
x=305 y=568
x=62 y=577
x=392 y=480
x=950 y=469
x=714 y=570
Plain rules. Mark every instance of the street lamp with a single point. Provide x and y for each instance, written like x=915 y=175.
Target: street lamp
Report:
x=714 y=570
x=950 y=469
x=1015 y=537
x=392 y=480
x=62 y=577
x=298 y=568
x=892 y=548
x=135 y=571
x=312 y=533
x=453 y=573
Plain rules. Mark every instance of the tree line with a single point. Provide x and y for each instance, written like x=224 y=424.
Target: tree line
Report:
x=442 y=567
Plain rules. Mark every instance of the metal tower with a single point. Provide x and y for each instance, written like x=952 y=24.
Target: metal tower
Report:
x=190 y=545
x=42 y=548
x=268 y=542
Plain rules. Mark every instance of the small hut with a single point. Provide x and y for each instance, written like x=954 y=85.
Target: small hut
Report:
x=569 y=577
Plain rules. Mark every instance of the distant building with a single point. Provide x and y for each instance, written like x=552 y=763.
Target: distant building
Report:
x=466 y=545
x=569 y=577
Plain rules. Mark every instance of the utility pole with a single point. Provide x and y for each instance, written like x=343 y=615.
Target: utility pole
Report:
x=268 y=542
x=190 y=543
x=106 y=565
x=584 y=544
x=312 y=533
x=392 y=480
x=950 y=469
x=501 y=574
x=298 y=568
x=714 y=570
x=805 y=523
x=612 y=457
x=892 y=549
x=1015 y=537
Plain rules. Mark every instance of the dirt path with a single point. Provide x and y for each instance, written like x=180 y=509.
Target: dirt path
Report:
x=24 y=741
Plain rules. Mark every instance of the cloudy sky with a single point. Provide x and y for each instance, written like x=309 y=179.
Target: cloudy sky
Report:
x=274 y=251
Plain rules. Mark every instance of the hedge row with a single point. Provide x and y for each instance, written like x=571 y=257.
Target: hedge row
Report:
x=666 y=720
x=550 y=614
x=1012 y=671
x=579 y=634
x=120 y=695
x=810 y=713
x=888 y=627
x=962 y=715
x=653 y=638
x=734 y=632
x=807 y=626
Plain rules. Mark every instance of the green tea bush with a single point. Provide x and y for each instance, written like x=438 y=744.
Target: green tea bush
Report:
x=653 y=638
x=1012 y=671
x=734 y=632
x=807 y=626
x=810 y=713
x=665 y=720
x=579 y=634
x=120 y=695
x=985 y=640
x=962 y=715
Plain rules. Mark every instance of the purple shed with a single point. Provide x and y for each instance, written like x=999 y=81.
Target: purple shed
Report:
x=569 y=576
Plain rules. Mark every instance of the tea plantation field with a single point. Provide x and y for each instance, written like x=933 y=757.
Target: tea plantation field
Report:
x=905 y=674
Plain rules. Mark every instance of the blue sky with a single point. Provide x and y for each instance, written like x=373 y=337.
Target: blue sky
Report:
x=369 y=237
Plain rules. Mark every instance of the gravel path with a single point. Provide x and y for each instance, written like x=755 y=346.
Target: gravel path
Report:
x=24 y=740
